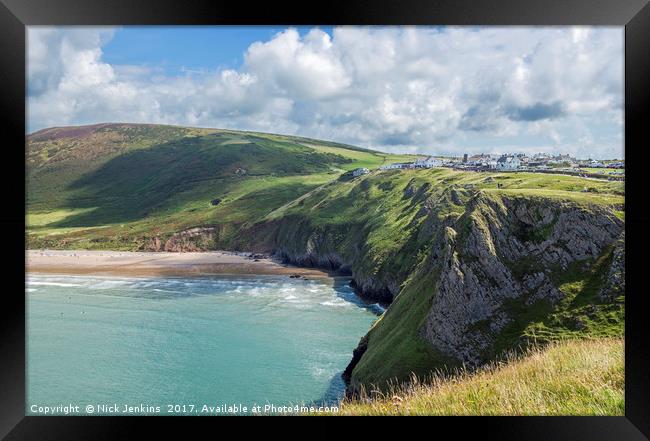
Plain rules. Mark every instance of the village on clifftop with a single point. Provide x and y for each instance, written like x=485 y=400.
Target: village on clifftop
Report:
x=539 y=162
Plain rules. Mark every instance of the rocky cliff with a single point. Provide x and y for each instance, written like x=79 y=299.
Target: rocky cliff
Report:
x=506 y=267
x=298 y=241
x=510 y=249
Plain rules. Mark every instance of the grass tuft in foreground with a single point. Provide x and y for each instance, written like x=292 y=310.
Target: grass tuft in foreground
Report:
x=573 y=377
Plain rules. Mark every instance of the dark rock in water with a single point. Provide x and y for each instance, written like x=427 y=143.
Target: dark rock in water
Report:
x=256 y=260
x=372 y=291
x=215 y=201
x=344 y=270
x=295 y=276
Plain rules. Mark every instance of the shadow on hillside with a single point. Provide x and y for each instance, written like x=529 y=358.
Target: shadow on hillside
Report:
x=140 y=182
x=134 y=184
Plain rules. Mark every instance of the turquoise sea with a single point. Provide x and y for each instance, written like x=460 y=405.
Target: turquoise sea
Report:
x=141 y=345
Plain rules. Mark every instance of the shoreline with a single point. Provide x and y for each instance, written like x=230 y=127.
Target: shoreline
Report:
x=161 y=264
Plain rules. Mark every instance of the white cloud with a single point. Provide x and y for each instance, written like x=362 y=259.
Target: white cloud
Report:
x=399 y=89
x=303 y=68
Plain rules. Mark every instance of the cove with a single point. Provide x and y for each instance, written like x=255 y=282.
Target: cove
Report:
x=149 y=343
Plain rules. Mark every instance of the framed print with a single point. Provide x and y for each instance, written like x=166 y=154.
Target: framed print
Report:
x=369 y=209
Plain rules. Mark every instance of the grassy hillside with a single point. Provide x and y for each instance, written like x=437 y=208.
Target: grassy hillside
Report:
x=574 y=377
x=104 y=186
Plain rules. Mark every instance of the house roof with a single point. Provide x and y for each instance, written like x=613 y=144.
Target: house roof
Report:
x=505 y=158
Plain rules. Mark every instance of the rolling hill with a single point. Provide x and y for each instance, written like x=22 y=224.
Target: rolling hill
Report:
x=104 y=185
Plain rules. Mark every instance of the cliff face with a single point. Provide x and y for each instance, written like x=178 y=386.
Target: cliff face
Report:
x=502 y=270
x=510 y=249
x=337 y=248
x=371 y=229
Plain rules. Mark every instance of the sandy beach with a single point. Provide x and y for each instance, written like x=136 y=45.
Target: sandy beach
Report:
x=127 y=263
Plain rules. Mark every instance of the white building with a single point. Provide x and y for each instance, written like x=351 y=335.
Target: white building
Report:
x=360 y=171
x=428 y=162
x=508 y=163
x=394 y=166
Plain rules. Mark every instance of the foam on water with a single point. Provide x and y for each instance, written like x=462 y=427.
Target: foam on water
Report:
x=190 y=340
x=37 y=283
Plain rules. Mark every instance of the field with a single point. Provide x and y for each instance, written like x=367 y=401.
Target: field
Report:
x=603 y=171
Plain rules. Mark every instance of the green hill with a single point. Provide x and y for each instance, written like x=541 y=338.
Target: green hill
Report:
x=108 y=184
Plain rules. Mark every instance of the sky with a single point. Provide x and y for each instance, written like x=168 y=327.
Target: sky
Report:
x=433 y=90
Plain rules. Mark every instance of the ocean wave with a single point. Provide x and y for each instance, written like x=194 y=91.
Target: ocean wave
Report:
x=65 y=285
x=337 y=303
x=273 y=292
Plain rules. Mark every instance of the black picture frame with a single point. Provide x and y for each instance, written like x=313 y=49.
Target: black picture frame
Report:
x=633 y=14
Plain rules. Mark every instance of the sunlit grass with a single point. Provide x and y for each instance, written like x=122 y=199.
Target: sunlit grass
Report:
x=41 y=219
x=575 y=377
